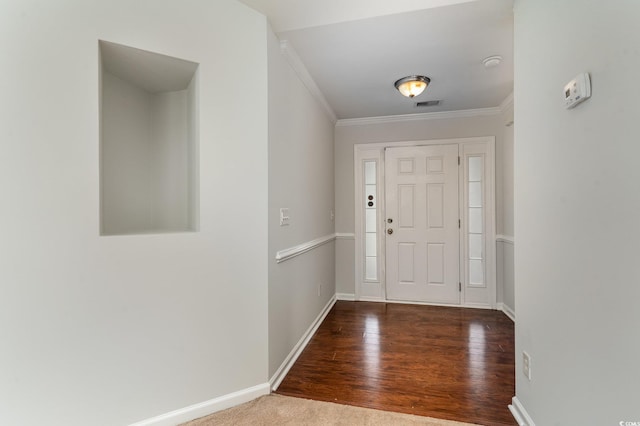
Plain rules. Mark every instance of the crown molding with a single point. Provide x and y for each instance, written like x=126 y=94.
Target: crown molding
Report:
x=506 y=103
x=403 y=118
x=296 y=63
x=441 y=115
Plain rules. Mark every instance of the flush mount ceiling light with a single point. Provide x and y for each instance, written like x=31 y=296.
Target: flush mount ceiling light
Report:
x=412 y=85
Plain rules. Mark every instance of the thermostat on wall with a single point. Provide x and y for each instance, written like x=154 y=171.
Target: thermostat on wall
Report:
x=577 y=90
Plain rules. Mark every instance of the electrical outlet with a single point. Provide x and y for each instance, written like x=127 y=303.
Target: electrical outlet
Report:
x=526 y=365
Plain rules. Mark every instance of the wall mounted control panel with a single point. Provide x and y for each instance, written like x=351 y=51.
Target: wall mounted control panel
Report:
x=577 y=90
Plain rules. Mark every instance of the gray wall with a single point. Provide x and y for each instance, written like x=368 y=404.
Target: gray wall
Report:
x=347 y=134
x=113 y=330
x=576 y=204
x=301 y=179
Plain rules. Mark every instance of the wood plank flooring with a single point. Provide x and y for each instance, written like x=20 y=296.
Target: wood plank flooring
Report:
x=448 y=363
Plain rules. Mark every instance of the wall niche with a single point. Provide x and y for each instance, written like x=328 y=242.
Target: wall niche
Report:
x=148 y=142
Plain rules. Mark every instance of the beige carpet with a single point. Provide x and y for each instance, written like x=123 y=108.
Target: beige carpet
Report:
x=283 y=410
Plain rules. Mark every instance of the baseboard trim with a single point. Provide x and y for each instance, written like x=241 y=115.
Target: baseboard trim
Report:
x=202 y=409
x=286 y=365
x=519 y=413
x=507 y=311
x=371 y=299
x=350 y=297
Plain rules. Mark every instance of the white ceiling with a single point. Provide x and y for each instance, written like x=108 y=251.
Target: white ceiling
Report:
x=356 y=49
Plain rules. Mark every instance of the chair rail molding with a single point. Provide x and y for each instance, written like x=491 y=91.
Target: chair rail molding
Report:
x=345 y=236
x=291 y=252
x=505 y=239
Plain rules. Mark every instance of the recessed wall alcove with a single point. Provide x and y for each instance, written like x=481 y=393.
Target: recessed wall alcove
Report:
x=148 y=142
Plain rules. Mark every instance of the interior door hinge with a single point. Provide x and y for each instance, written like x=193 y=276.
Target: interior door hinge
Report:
x=458 y=160
x=460 y=287
x=459 y=225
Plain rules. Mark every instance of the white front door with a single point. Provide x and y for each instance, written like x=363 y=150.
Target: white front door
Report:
x=422 y=224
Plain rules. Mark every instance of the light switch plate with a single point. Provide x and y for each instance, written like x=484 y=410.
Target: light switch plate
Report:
x=284 y=217
x=526 y=365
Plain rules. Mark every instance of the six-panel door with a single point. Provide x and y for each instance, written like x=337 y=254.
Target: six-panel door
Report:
x=422 y=234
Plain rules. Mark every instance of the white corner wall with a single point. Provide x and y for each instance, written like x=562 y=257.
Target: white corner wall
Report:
x=348 y=133
x=113 y=330
x=576 y=204
x=301 y=178
x=506 y=240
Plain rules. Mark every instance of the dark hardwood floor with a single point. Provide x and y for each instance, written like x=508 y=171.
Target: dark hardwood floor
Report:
x=448 y=363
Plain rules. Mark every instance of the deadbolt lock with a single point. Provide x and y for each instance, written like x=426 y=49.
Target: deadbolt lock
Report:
x=389 y=220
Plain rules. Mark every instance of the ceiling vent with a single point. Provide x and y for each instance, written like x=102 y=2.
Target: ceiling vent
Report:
x=427 y=103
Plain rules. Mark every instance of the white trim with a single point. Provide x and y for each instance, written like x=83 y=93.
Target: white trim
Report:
x=349 y=297
x=202 y=409
x=301 y=70
x=375 y=151
x=507 y=311
x=345 y=236
x=472 y=295
x=372 y=299
x=505 y=239
x=286 y=365
x=506 y=103
x=519 y=413
x=402 y=118
x=292 y=252
x=361 y=154
x=411 y=302
x=380 y=146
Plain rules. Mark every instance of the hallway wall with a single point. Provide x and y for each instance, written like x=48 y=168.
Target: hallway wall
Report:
x=576 y=181
x=119 y=329
x=301 y=178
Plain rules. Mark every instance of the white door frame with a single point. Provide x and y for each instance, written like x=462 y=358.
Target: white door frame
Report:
x=375 y=290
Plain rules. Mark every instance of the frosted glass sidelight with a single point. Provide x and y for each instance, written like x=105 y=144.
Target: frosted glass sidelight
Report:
x=475 y=235
x=370 y=172
x=475 y=169
x=371 y=268
x=476 y=273
x=371 y=245
x=475 y=194
x=475 y=246
x=370 y=220
x=475 y=220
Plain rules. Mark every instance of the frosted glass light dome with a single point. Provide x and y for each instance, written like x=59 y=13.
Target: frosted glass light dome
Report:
x=412 y=85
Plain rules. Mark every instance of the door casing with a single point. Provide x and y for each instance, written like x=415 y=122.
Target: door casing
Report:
x=375 y=290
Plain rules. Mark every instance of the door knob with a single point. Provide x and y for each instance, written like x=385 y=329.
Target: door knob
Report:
x=389 y=231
